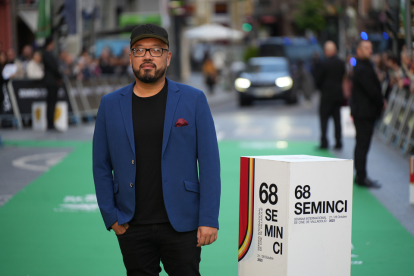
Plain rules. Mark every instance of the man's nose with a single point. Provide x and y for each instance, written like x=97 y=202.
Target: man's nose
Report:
x=148 y=55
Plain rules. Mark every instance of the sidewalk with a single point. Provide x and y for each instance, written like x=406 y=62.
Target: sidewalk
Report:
x=220 y=95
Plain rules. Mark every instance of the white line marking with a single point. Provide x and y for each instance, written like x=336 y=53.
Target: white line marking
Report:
x=47 y=160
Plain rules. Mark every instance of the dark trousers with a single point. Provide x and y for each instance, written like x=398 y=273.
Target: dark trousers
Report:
x=51 y=100
x=144 y=246
x=364 y=130
x=325 y=112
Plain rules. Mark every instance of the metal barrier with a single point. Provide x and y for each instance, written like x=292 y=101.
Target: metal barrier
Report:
x=84 y=97
x=397 y=124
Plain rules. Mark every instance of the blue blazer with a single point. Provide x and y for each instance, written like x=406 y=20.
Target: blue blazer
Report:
x=191 y=192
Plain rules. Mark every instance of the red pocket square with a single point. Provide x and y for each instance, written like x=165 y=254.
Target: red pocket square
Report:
x=181 y=122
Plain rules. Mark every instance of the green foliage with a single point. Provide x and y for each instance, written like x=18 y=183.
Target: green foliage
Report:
x=251 y=51
x=310 y=15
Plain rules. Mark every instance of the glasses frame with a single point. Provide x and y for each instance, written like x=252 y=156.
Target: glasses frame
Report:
x=149 y=50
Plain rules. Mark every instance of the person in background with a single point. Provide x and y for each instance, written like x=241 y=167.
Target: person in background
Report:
x=66 y=64
x=26 y=56
x=34 y=69
x=407 y=70
x=329 y=79
x=123 y=62
x=82 y=67
x=106 y=62
x=3 y=61
x=210 y=74
x=366 y=105
x=395 y=74
x=52 y=80
x=11 y=59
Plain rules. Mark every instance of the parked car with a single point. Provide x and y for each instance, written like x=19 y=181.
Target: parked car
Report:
x=293 y=48
x=265 y=78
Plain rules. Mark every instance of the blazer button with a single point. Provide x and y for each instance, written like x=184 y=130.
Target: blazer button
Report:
x=132 y=185
x=133 y=162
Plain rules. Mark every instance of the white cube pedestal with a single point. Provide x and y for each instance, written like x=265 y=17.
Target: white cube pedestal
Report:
x=61 y=116
x=39 y=121
x=295 y=216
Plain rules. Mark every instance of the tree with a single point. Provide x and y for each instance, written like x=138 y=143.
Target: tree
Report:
x=310 y=15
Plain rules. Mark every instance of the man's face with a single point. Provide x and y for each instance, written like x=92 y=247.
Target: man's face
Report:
x=10 y=55
x=364 y=51
x=149 y=69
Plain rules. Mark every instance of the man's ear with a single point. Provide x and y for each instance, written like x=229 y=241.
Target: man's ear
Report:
x=169 y=58
x=130 y=60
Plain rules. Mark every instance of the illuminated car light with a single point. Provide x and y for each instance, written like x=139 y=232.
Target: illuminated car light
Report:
x=284 y=82
x=242 y=84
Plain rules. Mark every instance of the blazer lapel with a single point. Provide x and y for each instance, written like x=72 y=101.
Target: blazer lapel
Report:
x=126 y=108
x=172 y=101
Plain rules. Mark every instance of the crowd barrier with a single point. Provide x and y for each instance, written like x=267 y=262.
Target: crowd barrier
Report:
x=396 y=126
x=83 y=97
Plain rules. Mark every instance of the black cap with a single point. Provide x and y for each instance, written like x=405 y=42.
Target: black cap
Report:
x=48 y=40
x=148 y=30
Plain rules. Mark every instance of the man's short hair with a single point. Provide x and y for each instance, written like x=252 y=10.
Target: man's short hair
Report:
x=359 y=42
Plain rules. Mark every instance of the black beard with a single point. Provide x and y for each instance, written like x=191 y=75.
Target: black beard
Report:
x=146 y=77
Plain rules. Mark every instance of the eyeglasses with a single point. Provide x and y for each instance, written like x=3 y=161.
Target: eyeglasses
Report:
x=154 y=52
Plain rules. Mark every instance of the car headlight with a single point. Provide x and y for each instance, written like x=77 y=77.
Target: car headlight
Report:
x=284 y=82
x=242 y=84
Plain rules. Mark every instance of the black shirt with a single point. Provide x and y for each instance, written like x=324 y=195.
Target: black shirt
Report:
x=148 y=120
x=330 y=75
x=367 y=100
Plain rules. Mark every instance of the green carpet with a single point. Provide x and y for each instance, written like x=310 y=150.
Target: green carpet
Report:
x=40 y=235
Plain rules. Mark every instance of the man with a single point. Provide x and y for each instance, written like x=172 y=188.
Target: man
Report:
x=11 y=59
x=366 y=105
x=330 y=76
x=156 y=164
x=51 y=79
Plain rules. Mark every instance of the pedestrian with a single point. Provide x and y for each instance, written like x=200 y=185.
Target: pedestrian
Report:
x=34 y=69
x=156 y=164
x=367 y=103
x=52 y=79
x=329 y=80
x=3 y=61
x=19 y=67
x=210 y=74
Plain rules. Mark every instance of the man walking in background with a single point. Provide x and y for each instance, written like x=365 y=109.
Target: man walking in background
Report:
x=156 y=164
x=329 y=78
x=367 y=103
x=51 y=79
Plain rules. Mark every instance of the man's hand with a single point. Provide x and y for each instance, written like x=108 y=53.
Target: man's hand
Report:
x=119 y=229
x=206 y=235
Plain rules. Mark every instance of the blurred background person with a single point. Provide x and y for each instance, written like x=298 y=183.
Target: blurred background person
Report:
x=34 y=69
x=11 y=59
x=52 y=80
x=66 y=64
x=366 y=105
x=329 y=78
x=3 y=61
x=123 y=61
x=81 y=68
x=26 y=56
x=210 y=74
x=407 y=69
x=106 y=62
x=395 y=73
